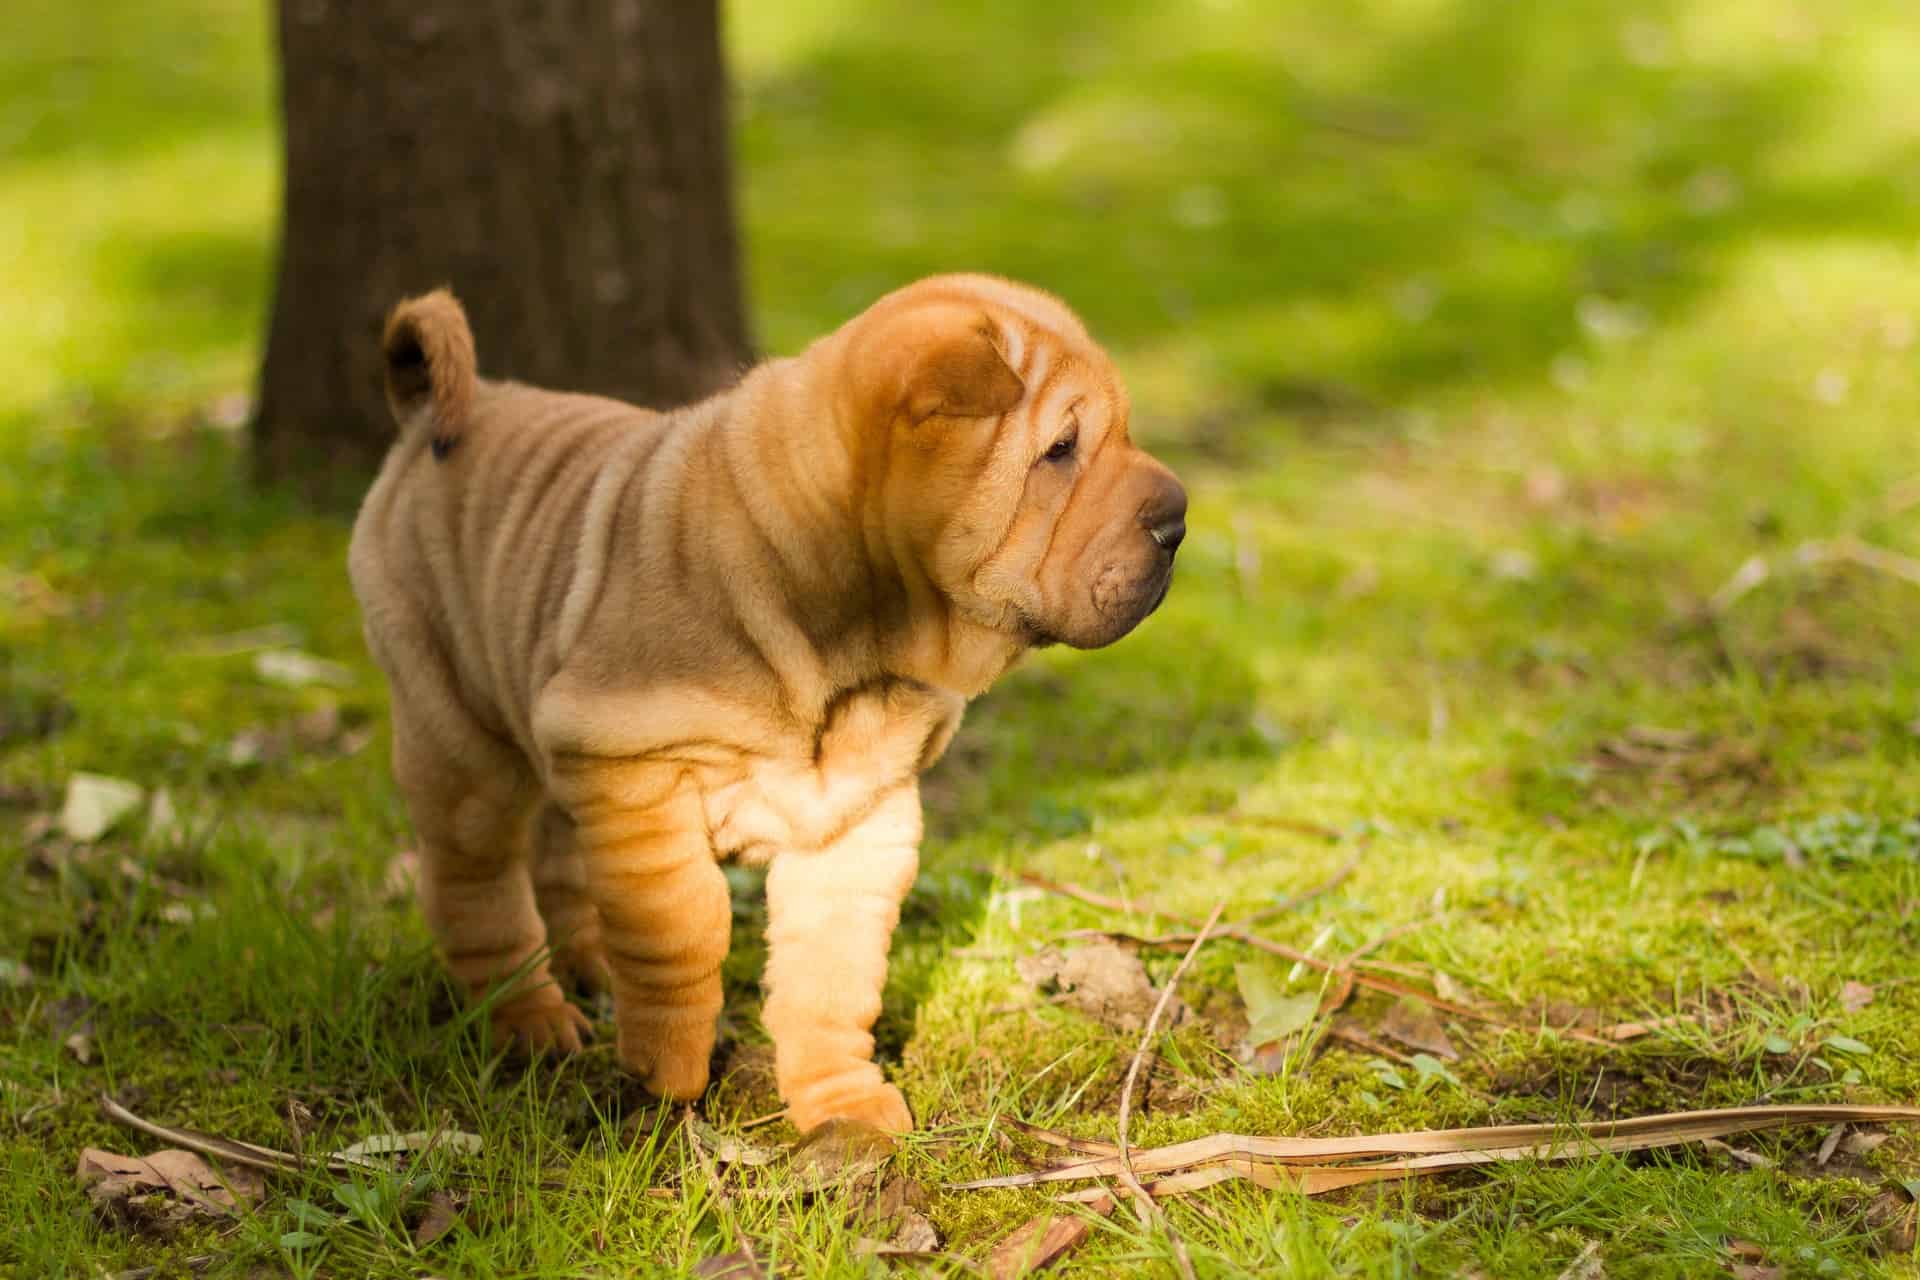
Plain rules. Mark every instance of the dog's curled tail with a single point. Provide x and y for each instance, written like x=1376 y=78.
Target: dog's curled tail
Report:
x=430 y=365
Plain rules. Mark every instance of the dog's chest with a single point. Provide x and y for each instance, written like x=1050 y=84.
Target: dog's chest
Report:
x=875 y=744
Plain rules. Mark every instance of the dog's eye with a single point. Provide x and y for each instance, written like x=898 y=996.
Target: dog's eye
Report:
x=1063 y=447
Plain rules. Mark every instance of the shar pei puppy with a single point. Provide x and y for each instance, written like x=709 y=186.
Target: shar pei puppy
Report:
x=624 y=646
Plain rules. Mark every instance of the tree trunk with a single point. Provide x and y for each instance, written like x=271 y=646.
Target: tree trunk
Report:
x=562 y=164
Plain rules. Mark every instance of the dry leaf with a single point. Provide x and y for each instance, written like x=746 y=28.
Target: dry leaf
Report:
x=1272 y=1014
x=274 y=635
x=1858 y=1143
x=1752 y=1159
x=725 y=1150
x=1755 y=1271
x=838 y=1152
x=318 y=727
x=1415 y=1024
x=1896 y=1218
x=80 y=1045
x=162 y=1192
x=1587 y=1265
x=1855 y=996
x=163 y=819
x=1042 y=1241
x=297 y=669
x=895 y=1211
x=741 y=1264
x=1104 y=981
x=95 y=803
x=441 y=1213
x=1622 y=1031
x=389 y=1144
x=403 y=873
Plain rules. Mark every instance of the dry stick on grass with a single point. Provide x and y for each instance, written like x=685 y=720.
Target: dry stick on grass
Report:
x=1845 y=549
x=1080 y=893
x=1299 y=900
x=1313 y=1166
x=1399 y=931
x=1144 y=1205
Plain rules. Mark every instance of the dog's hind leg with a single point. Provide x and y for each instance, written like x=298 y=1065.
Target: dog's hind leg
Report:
x=473 y=801
x=664 y=911
x=560 y=891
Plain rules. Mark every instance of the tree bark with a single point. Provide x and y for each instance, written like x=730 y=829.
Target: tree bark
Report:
x=564 y=165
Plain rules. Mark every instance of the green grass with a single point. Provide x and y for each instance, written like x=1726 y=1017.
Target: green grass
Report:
x=1491 y=340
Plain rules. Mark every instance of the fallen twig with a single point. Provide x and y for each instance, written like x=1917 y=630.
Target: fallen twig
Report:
x=1845 y=549
x=1054 y=1138
x=1303 y=826
x=1299 y=900
x=1081 y=893
x=1366 y=949
x=1144 y=1205
x=1315 y=1165
x=1361 y=1040
x=249 y=1154
x=1038 y=1241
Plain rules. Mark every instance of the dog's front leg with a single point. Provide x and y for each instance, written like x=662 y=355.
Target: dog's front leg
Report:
x=831 y=915
x=664 y=913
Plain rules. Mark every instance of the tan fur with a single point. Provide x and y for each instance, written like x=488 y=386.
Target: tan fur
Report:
x=624 y=645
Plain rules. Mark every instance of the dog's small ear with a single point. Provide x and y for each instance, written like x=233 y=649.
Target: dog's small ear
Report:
x=962 y=374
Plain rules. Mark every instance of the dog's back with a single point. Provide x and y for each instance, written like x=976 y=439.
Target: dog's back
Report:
x=472 y=540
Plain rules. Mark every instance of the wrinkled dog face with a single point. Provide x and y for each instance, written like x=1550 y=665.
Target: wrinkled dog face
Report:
x=1008 y=464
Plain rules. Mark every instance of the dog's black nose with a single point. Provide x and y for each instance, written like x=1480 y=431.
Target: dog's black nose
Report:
x=1165 y=516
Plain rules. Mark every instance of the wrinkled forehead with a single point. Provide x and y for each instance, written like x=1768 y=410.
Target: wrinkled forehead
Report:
x=1055 y=358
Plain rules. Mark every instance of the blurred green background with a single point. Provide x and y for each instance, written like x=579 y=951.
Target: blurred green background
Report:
x=1492 y=339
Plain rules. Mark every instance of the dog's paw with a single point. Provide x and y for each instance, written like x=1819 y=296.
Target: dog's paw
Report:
x=675 y=1068
x=541 y=1023
x=881 y=1107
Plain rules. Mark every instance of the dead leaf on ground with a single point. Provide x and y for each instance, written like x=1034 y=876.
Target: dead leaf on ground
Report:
x=1417 y=1026
x=1896 y=1216
x=403 y=873
x=1041 y=1241
x=838 y=1152
x=95 y=804
x=393 y=1144
x=740 y=1264
x=441 y=1213
x=1755 y=1271
x=894 y=1214
x=726 y=1150
x=1752 y=1159
x=80 y=1045
x=163 y=1192
x=1677 y=762
x=1855 y=996
x=296 y=668
x=164 y=825
x=1105 y=981
x=1587 y=1265
x=1858 y=1143
x=274 y=635
x=1273 y=1013
x=1562 y=1015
